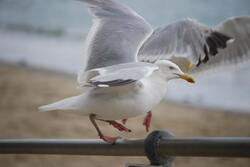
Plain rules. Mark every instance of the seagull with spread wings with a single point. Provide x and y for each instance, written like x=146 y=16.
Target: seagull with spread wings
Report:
x=128 y=64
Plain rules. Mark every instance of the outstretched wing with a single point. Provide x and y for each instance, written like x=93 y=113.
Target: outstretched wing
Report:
x=239 y=50
x=115 y=36
x=117 y=75
x=189 y=41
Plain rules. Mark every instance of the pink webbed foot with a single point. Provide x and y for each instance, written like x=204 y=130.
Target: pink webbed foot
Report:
x=118 y=126
x=110 y=140
x=147 y=120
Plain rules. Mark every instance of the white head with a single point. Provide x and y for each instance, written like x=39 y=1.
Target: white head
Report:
x=172 y=71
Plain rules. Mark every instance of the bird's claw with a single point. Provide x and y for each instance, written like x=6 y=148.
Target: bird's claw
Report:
x=110 y=140
x=124 y=121
x=118 y=126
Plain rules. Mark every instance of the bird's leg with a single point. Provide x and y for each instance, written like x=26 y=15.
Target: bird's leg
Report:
x=107 y=139
x=147 y=120
x=118 y=126
x=124 y=121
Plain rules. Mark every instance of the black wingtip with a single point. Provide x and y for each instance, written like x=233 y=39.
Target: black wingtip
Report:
x=212 y=46
x=206 y=54
x=215 y=41
x=199 y=62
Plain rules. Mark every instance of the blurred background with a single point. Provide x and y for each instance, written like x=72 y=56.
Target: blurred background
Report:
x=57 y=29
x=41 y=44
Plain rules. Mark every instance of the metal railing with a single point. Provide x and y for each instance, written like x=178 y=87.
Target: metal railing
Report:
x=160 y=147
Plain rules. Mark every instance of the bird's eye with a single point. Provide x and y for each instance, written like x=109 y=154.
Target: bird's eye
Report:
x=171 y=68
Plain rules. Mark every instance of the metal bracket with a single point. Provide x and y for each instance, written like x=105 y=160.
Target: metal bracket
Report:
x=151 y=147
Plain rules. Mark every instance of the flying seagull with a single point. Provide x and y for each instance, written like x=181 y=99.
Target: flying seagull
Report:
x=128 y=64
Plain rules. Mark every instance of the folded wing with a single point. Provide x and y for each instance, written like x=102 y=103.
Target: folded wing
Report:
x=117 y=75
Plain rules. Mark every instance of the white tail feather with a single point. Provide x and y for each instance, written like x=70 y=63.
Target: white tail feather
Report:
x=65 y=104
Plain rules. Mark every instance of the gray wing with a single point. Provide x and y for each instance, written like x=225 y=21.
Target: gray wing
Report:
x=239 y=50
x=117 y=75
x=115 y=36
x=188 y=41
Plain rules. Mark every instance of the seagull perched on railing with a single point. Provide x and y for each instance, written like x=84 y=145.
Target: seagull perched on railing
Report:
x=128 y=64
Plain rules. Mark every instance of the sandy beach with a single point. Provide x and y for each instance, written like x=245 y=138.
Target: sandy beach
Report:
x=23 y=89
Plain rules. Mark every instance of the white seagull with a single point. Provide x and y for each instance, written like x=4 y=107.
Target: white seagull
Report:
x=128 y=64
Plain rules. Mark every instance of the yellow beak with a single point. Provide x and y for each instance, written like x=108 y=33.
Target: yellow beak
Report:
x=187 y=77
